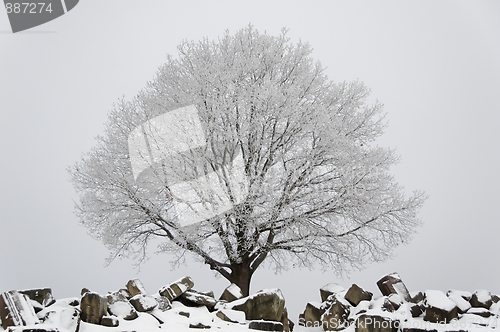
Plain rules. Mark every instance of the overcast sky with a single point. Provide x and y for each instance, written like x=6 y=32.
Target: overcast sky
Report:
x=434 y=64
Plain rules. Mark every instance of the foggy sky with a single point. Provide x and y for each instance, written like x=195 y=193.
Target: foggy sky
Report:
x=434 y=65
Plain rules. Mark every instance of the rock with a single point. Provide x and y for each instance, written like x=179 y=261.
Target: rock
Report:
x=329 y=289
x=395 y=300
x=336 y=315
x=136 y=287
x=483 y=312
x=417 y=329
x=124 y=293
x=193 y=298
x=285 y=321
x=417 y=310
x=176 y=288
x=419 y=297
x=263 y=325
x=163 y=303
x=495 y=298
x=93 y=307
x=313 y=312
x=199 y=326
x=462 y=304
x=233 y=316
x=32 y=329
x=388 y=305
x=109 y=321
x=40 y=295
x=143 y=302
x=84 y=290
x=481 y=299
x=267 y=305
x=392 y=284
x=185 y=314
x=231 y=293
x=375 y=323
x=356 y=294
x=74 y=303
x=438 y=307
x=16 y=310
x=119 y=306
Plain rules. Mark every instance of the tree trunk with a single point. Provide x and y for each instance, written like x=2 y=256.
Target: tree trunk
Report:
x=241 y=276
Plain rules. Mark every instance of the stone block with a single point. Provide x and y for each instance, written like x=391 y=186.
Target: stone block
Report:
x=392 y=284
x=439 y=308
x=36 y=328
x=118 y=305
x=266 y=305
x=175 y=289
x=143 y=303
x=16 y=310
x=233 y=316
x=163 y=303
x=40 y=295
x=193 y=298
x=313 y=312
x=136 y=287
x=110 y=321
x=231 y=293
x=263 y=325
x=285 y=321
x=336 y=316
x=329 y=289
x=93 y=307
x=481 y=299
x=356 y=294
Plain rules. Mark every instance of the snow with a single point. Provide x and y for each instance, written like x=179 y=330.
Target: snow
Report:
x=438 y=299
x=235 y=290
x=333 y=288
x=261 y=292
x=483 y=295
x=461 y=303
x=120 y=308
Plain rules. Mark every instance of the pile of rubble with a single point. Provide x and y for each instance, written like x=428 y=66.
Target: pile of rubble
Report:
x=397 y=310
x=37 y=310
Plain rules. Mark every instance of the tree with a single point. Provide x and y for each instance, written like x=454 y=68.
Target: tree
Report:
x=313 y=186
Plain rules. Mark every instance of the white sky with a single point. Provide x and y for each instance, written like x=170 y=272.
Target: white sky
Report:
x=434 y=64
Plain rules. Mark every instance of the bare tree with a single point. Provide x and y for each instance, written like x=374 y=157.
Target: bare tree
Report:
x=285 y=169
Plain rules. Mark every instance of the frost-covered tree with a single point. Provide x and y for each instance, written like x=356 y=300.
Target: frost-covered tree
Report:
x=279 y=163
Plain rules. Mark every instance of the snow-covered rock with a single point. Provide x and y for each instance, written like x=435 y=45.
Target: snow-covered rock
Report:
x=176 y=288
x=356 y=294
x=481 y=299
x=231 y=293
x=392 y=284
x=16 y=310
x=93 y=307
x=143 y=303
x=438 y=307
x=266 y=304
x=329 y=289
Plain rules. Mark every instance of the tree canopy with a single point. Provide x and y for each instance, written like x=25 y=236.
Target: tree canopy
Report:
x=312 y=186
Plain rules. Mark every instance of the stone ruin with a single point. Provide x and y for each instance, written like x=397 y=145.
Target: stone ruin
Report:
x=37 y=311
x=396 y=309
